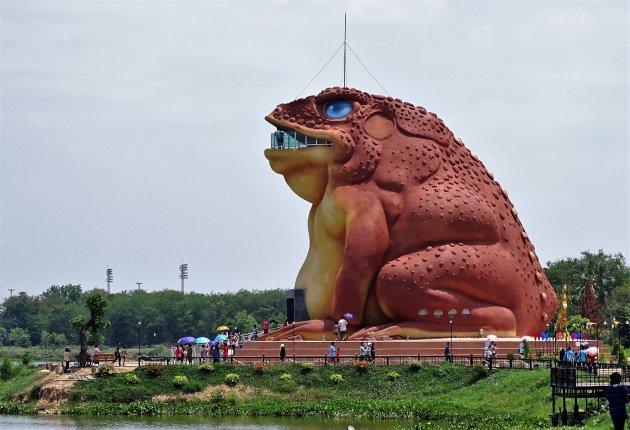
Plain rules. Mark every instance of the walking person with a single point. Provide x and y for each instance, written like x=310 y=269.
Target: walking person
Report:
x=373 y=352
x=225 y=351
x=617 y=396
x=117 y=354
x=448 y=354
x=343 y=328
x=283 y=352
x=331 y=353
x=123 y=355
x=66 y=360
x=337 y=354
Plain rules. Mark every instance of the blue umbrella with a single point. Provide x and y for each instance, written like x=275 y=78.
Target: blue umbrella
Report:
x=220 y=337
x=348 y=315
x=202 y=339
x=186 y=340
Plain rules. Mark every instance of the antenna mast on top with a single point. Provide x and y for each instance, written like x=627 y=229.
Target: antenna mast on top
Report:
x=345 y=27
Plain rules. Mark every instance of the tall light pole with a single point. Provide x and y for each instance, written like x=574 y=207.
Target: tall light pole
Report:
x=183 y=273
x=139 y=325
x=109 y=277
x=450 y=322
x=138 y=284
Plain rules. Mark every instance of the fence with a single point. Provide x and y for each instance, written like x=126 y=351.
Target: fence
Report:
x=385 y=360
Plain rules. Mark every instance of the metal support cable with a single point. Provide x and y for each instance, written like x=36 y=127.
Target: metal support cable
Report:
x=320 y=70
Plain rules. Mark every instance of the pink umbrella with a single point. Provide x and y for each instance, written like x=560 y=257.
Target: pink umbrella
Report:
x=592 y=351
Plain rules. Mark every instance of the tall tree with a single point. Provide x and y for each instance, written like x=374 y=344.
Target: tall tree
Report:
x=96 y=304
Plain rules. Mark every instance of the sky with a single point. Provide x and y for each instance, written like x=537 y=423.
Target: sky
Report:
x=132 y=132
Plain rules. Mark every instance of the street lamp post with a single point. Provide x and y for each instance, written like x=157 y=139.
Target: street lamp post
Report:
x=450 y=322
x=139 y=325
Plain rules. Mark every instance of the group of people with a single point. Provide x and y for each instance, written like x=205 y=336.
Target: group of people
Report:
x=216 y=352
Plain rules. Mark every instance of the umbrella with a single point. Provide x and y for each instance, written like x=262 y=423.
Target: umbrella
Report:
x=186 y=340
x=348 y=315
x=222 y=328
x=592 y=351
x=213 y=343
x=527 y=338
x=220 y=337
x=492 y=338
x=202 y=340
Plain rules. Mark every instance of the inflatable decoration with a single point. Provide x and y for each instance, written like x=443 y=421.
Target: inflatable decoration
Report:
x=408 y=231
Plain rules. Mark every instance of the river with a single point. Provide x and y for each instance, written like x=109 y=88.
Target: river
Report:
x=65 y=422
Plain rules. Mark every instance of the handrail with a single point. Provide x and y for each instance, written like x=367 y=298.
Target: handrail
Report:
x=325 y=360
x=295 y=140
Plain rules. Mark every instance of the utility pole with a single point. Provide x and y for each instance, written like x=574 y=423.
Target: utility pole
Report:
x=11 y=291
x=183 y=273
x=109 y=277
x=138 y=284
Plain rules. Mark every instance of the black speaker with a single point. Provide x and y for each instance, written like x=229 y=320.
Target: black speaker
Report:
x=296 y=306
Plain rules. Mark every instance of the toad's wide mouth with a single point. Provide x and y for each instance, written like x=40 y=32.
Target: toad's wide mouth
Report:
x=289 y=137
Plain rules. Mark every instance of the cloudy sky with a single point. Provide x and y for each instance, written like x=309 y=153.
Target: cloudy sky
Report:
x=132 y=132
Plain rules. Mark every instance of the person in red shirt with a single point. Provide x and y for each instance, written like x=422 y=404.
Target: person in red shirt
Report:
x=225 y=351
x=266 y=325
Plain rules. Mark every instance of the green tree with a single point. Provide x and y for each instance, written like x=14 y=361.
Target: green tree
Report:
x=96 y=304
x=19 y=337
x=607 y=272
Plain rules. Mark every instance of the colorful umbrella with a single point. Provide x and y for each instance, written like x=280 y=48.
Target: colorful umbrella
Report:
x=492 y=338
x=220 y=337
x=222 y=328
x=186 y=340
x=348 y=315
x=592 y=351
x=213 y=343
x=202 y=339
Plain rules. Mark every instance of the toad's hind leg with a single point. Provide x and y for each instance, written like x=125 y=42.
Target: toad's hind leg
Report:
x=483 y=284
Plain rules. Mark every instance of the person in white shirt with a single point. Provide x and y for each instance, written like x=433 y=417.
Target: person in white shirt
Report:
x=343 y=328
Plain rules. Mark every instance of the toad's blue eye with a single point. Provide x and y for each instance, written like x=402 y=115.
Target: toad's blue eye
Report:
x=338 y=109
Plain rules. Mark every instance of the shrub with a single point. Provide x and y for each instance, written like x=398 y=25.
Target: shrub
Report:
x=155 y=370
x=216 y=396
x=510 y=356
x=479 y=372
x=105 y=370
x=286 y=377
x=26 y=358
x=361 y=366
x=307 y=367
x=206 y=367
x=131 y=379
x=192 y=387
x=259 y=367
x=336 y=378
x=231 y=379
x=6 y=368
x=392 y=376
x=415 y=366
x=179 y=381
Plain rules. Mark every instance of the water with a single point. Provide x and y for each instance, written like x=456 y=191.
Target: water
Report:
x=62 y=422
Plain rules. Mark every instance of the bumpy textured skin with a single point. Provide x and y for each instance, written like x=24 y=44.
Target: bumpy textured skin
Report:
x=405 y=221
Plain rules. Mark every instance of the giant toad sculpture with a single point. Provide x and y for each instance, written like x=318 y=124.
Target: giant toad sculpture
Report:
x=407 y=229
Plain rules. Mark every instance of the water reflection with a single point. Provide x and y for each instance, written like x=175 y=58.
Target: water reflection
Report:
x=56 y=422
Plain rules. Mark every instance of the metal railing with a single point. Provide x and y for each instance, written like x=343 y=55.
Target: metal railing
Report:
x=384 y=360
x=587 y=375
x=294 y=140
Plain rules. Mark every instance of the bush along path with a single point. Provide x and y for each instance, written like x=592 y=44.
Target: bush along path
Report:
x=430 y=396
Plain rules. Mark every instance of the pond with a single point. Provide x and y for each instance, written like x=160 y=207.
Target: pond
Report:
x=64 y=422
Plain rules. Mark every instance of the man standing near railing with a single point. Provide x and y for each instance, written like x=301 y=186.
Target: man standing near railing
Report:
x=448 y=354
x=617 y=396
x=279 y=136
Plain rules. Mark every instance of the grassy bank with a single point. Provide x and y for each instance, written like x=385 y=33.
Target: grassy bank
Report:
x=463 y=397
